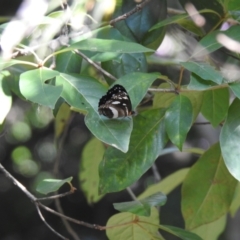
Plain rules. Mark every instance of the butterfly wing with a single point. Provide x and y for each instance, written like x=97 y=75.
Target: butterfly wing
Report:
x=116 y=103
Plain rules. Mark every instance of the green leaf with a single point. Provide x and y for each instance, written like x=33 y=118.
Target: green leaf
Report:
x=5 y=95
x=235 y=87
x=68 y=62
x=52 y=185
x=88 y=176
x=197 y=83
x=181 y=233
x=215 y=105
x=235 y=203
x=178 y=119
x=211 y=230
x=106 y=45
x=203 y=70
x=84 y=93
x=119 y=170
x=129 y=227
x=167 y=184
x=211 y=199
x=230 y=138
x=33 y=87
x=125 y=64
x=163 y=99
x=11 y=62
x=210 y=44
x=140 y=22
x=143 y=206
x=196 y=98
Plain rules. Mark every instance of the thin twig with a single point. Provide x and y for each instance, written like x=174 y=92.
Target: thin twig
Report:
x=129 y=190
x=55 y=171
x=156 y=173
x=128 y=14
x=95 y=65
x=55 y=196
x=163 y=90
x=175 y=11
x=65 y=222
x=93 y=226
x=180 y=78
x=201 y=123
x=45 y=222
x=17 y=183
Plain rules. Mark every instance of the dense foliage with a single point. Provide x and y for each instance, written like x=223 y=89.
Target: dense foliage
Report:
x=67 y=67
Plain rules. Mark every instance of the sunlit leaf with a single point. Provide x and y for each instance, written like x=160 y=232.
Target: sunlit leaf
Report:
x=212 y=197
x=33 y=87
x=88 y=175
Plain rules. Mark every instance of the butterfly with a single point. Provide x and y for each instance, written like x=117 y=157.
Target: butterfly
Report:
x=116 y=103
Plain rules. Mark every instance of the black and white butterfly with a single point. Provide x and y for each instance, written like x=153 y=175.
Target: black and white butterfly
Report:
x=116 y=103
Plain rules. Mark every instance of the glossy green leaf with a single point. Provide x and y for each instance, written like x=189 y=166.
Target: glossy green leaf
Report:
x=178 y=119
x=140 y=22
x=106 y=45
x=52 y=185
x=88 y=176
x=197 y=83
x=68 y=62
x=203 y=70
x=230 y=138
x=209 y=43
x=119 y=170
x=215 y=105
x=84 y=93
x=235 y=87
x=212 y=196
x=211 y=230
x=181 y=233
x=167 y=184
x=33 y=87
x=127 y=226
x=5 y=95
x=142 y=207
x=125 y=64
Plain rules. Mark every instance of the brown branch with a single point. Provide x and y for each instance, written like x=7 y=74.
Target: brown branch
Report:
x=45 y=222
x=93 y=226
x=163 y=90
x=138 y=8
x=95 y=65
x=55 y=196
x=39 y=204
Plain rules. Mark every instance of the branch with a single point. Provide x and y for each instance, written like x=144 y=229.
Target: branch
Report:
x=138 y=8
x=95 y=65
x=163 y=90
x=39 y=204
x=44 y=221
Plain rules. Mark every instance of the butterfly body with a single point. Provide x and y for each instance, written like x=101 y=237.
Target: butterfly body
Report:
x=116 y=103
